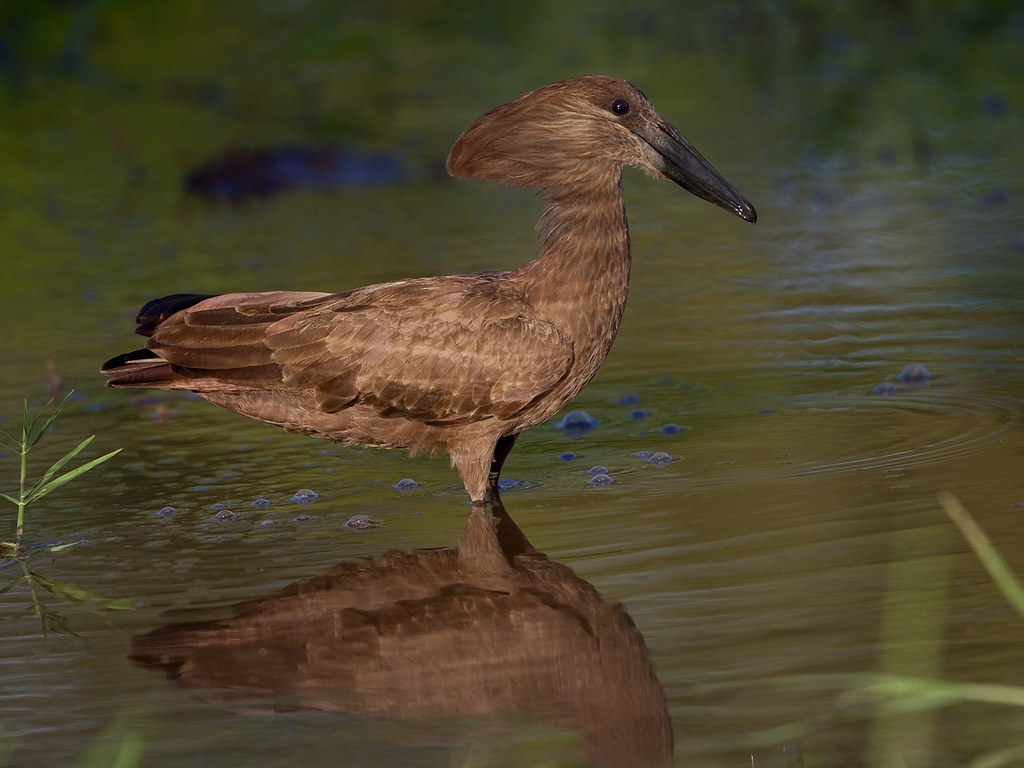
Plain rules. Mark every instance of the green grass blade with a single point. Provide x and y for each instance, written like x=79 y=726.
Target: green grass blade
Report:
x=56 y=412
x=46 y=424
x=65 y=545
x=119 y=745
x=9 y=498
x=71 y=593
x=40 y=490
x=12 y=585
x=29 y=436
x=1001 y=574
x=26 y=426
x=51 y=621
x=59 y=465
x=53 y=587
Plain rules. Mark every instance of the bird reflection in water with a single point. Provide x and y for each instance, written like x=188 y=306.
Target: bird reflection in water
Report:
x=489 y=627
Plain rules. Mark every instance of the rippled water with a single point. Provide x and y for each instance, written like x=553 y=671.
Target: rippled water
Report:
x=795 y=527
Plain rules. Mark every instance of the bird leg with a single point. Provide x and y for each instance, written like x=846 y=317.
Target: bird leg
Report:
x=501 y=451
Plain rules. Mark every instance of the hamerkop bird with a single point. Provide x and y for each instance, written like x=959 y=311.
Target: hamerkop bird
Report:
x=463 y=363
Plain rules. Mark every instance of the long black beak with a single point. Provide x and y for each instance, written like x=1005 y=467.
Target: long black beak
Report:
x=677 y=159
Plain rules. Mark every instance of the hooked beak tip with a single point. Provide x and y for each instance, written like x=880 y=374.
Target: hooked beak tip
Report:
x=746 y=212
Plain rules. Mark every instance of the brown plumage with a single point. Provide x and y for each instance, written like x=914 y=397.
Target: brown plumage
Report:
x=463 y=363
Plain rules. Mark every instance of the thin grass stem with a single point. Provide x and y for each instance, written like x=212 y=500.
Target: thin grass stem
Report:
x=997 y=568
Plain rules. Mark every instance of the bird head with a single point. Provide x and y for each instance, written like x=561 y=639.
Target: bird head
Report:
x=565 y=133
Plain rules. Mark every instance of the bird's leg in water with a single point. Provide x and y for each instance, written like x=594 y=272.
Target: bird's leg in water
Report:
x=501 y=451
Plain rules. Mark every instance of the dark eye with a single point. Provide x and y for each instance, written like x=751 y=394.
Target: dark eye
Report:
x=619 y=107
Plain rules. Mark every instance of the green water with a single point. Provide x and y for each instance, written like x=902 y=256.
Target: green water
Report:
x=797 y=529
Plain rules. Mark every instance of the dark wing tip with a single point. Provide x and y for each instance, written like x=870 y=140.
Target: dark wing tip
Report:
x=140 y=368
x=158 y=310
x=128 y=357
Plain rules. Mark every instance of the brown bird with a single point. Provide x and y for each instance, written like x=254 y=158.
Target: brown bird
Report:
x=463 y=363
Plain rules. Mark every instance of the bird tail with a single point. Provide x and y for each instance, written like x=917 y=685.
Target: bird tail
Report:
x=140 y=369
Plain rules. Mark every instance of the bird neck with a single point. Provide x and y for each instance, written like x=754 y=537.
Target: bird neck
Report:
x=580 y=279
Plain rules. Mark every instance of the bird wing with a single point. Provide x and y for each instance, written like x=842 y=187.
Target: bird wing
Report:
x=438 y=350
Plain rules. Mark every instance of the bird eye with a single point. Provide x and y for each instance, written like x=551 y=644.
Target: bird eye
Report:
x=619 y=107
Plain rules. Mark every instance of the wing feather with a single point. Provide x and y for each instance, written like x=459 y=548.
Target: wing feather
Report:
x=437 y=350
